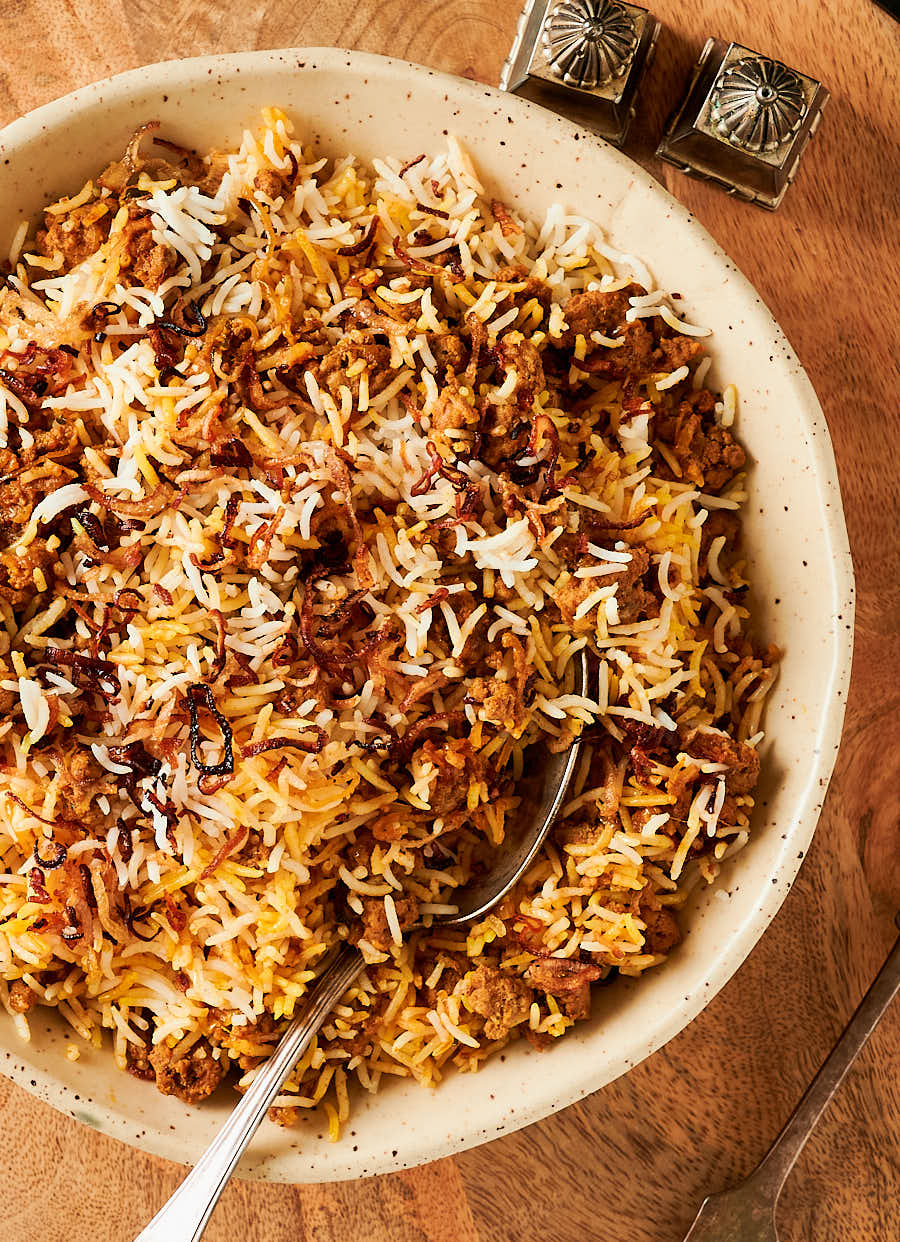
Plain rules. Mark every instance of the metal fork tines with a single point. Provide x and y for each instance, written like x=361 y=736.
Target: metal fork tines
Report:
x=741 y=1215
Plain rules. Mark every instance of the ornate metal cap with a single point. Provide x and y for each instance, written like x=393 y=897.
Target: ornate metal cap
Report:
x=583 y=58
x=588 y=42
x=758 y=103
x=744 y=123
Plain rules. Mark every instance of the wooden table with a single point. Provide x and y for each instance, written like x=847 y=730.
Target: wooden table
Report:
x=699 y=1114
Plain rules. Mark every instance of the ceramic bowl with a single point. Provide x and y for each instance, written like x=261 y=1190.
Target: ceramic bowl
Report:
x=795 y=534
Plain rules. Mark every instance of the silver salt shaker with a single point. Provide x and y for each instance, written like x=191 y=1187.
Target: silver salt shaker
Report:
x=744 y=122
x=584 y=59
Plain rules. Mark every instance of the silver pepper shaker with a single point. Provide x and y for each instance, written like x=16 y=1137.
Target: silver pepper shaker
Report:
x=744 y=122
x=584 y=59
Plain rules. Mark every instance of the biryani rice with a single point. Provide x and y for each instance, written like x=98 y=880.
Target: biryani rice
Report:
x=237 y=882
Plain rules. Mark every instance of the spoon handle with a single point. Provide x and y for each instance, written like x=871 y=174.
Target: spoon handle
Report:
x=186 y=1214
x=774 y=1169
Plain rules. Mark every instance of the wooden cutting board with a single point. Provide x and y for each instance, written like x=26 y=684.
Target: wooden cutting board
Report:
x=633 y=1161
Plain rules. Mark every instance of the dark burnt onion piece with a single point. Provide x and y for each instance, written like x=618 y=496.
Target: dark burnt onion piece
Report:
x=231 y=509
x=130 y=917
x=453 y=269
x=39 y=372
x=209 y=785
x=20 y=386
x=168 y=374
x=411 y=164
x=136 y=756
x=125 y=606
x=310 y=746
x=176 y=917
x=585 y=455
x=93 y=528
x=404 y=747
x=121 y=602
x=247 y=676
x=290 y=378
x=167 y=349
x=389 y=633
x=72 y=930
x=439 y=467
x=163 y=496
x=434 y=211
x=84 y=872
x=198 y=694
x=57 y=857
x=438 y=597
x=96 y=674
x=333 y=622
x=37 y=890
x=187 y=319
x=125 y=837
x=337 y=460
x=286 y=652
x=255 y=395
x=336 y=663
x=524 y=475
x=99 y=314
x=383 y=744
x=331 y=557
x=363 y=244
x=466 y=507
x=600 y=522
x=207 y=567
x=231 y=452
x=167 y=811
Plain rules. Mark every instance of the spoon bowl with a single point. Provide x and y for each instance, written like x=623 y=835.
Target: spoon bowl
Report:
x=187 y=1212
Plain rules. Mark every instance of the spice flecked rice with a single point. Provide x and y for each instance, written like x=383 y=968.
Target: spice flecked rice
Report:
x=316 y=476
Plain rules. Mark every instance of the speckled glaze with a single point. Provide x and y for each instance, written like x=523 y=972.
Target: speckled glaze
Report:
x=795 y=534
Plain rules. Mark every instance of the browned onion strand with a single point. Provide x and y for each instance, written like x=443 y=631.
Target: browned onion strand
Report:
x=95 y=673
x=312 y=746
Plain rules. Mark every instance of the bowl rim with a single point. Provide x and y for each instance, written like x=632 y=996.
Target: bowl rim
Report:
x=547 y=1098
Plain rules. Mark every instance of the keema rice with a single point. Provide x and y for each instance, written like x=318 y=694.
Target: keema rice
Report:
x=314 y=477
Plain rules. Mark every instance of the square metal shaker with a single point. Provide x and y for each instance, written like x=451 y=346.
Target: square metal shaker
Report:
x=744 y=123
x=584 y=59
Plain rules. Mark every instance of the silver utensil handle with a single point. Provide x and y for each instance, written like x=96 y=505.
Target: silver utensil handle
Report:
x=772 y=1173
x=184 y=1217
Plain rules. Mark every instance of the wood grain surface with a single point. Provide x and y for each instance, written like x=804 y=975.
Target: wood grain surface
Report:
x=633 y=1161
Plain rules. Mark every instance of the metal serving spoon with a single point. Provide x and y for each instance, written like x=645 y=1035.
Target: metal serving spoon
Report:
x=185 y=1216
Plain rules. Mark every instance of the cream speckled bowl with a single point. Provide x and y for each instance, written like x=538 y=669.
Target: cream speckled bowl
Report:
x=347 y=101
